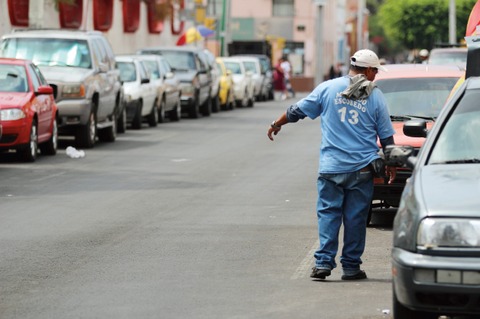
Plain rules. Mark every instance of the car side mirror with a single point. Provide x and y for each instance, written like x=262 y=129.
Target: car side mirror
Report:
x=145 y=81
x=397 y=155
x=44 y=89
x=415 y=128
x=169 y=75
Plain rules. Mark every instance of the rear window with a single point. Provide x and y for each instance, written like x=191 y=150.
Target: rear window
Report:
x=180 y=60
x=423 y=97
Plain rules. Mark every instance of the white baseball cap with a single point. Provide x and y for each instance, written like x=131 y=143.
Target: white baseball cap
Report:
x=366 y=59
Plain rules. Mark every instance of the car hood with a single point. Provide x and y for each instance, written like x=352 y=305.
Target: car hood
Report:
x=185 y=75
x=13 y=100
x=402 y=139
x=64 y=74
x=450 y=188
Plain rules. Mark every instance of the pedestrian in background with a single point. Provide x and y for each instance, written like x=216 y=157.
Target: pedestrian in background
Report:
x=287 y=71
x=279 y=80
x=353 y=115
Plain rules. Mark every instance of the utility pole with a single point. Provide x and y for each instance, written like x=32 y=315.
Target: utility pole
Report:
x=360 y=12
x=452 y=24
x=223 y=33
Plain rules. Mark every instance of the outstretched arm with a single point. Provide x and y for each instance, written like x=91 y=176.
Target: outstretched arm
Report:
x=276 y=125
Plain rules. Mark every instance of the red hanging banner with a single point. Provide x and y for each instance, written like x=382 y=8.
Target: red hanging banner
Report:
x=102 y=14
x=71 y=14
x=155 y=23
x=131 y=15
x=18 y=12
x=177 y=23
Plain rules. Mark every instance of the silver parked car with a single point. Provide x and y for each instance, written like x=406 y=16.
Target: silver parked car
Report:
x=168 y=87
x=436 y=231
x=80 y=66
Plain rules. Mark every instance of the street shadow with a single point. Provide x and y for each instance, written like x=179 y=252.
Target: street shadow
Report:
x=382 y=218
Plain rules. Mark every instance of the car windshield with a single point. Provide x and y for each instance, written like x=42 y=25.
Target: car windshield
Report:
x=420 y=97
x=458 y=141
x=48 y=51
x=234 y=67
x=152 y=67
x=127 y=71
x=13 y=78
x=180 y=60
x=250 y=66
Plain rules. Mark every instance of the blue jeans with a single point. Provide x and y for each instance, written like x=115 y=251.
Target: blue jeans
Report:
x=343 y=197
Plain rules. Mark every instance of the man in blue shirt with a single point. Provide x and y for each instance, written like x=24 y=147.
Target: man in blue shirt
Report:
x=353 y=115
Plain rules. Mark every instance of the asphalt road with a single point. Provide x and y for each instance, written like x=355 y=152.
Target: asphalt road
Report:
x=202 y=218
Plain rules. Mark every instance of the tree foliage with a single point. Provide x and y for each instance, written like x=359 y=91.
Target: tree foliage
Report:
x=422 y=23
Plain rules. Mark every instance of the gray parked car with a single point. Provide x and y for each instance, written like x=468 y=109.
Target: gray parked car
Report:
x=80 y=66
x=194 y=75
x=436 y=232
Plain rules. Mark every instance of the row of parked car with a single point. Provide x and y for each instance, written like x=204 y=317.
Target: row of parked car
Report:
x=64 y=82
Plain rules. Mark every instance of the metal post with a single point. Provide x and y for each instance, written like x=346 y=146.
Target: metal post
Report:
x=222 y=29
x=360 y=12
x=452 y=27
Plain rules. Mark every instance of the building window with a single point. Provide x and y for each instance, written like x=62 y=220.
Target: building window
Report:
x=283 y=8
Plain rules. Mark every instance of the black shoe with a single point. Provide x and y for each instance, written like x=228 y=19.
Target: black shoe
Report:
x=320 y=273
x=360 y=275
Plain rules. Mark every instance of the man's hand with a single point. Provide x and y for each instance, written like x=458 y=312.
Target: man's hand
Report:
x=391 y=172
x=273 y=130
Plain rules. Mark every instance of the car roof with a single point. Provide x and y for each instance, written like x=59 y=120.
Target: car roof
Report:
x=461 y=49
x=171 y=48
x=126 y=58
x=52 y=33
x=235 y=59
x=149 y=57
x=395 y=71
x=13 y=61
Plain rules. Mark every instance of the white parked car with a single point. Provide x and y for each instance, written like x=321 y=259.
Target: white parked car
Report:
x=243 y=85
x=139 y=93
x=253 y=64
x=215 y=80
x=168 y=87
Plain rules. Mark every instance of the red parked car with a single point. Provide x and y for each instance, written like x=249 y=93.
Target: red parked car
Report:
x=412 y=91
x=27 y=110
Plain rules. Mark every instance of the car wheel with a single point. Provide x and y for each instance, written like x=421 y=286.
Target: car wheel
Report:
x=87 y=133
x=153 y=116
x=194 y=111
x=122 y=121
x=161 y=112
x=369 y=217
x=176 y=113
x=216 y=104
x=137 y=118
x=29 y=153
x=50 y=147
x=109 y=134
x=207 y=107
x=251 y=101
